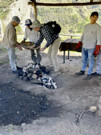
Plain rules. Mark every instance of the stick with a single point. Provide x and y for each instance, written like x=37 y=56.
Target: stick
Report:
x=80 y=115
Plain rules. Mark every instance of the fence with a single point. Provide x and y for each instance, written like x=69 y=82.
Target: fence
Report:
x=70 y=35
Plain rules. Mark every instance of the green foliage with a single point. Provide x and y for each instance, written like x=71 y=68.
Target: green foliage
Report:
x=72 y=19
x=4 y=7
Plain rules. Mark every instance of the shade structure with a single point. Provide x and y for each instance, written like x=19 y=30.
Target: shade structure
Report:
x=66 y=3
x=57 y=3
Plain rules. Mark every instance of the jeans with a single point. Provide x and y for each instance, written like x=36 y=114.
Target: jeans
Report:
x=36 y=57
x=88 y=58
x=12 y=58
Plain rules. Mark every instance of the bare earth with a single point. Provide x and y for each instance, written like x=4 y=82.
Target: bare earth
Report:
x=72 y=96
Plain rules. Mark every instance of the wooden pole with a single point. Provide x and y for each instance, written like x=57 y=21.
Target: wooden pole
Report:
x=68 y=4
x=35 y=8
x=91 y=1
x=35 y=4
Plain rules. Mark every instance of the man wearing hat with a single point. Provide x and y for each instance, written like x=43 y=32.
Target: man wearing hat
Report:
x=33 y=37
x=53 y=42
x=10 y=42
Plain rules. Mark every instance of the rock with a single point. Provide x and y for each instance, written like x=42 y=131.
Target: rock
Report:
x=93 y=108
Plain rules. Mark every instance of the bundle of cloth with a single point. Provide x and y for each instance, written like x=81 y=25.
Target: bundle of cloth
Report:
x=33 y=72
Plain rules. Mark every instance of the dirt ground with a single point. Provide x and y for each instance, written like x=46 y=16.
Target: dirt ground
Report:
x=72 y=96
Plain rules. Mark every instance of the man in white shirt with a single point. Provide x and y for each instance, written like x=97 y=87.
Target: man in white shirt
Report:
x=10 y=42
x=91 y=38
x=33 y=37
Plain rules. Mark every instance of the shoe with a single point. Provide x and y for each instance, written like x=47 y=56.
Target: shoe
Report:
x=96 y=74
x=15 y=72
x=88 y=77
x=80 y=73
x=39 y=64
x=19 y=68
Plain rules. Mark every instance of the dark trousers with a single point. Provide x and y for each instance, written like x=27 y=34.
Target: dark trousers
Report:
x=36 y=56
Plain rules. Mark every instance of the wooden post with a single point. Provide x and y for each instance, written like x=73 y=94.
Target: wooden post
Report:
x=69 y=4
x=91 y=1
x=35 y=8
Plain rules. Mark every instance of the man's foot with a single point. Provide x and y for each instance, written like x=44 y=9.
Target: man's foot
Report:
x=96 y=74
x=19 y=68
x=39 y=64
x=15 y=72
x=88 y=77
x=80 y=73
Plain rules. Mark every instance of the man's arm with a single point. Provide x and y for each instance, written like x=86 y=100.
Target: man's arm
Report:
x=79 y=45
x=12 y=37
x=38 y=43
x=98 y=45
x=82 y=37
x=25 y=36
x=99 y=35
x=40 y=40
x=47 y=36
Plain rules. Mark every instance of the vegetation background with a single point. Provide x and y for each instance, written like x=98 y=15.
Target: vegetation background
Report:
x=72 y=19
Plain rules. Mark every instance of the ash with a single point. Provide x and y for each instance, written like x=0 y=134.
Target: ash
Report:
x=18 y=106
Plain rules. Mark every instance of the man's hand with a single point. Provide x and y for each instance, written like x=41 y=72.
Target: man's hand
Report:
x=22 y=42
x=18 y=46
x=42 y=49
x=97 y=50
x=79 y=45
x=31 y=47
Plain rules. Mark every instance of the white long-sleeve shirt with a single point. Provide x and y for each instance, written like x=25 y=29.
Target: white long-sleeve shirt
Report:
x=32 y=35
x=10 y=37
x=91 y=36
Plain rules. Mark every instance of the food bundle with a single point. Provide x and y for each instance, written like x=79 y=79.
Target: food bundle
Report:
x=33 y=72
x=27 y=44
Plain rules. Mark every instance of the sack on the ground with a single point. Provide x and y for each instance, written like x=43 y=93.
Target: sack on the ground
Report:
x=54 y=26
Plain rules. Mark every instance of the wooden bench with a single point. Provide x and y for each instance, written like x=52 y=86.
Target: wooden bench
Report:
x=69 y=45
